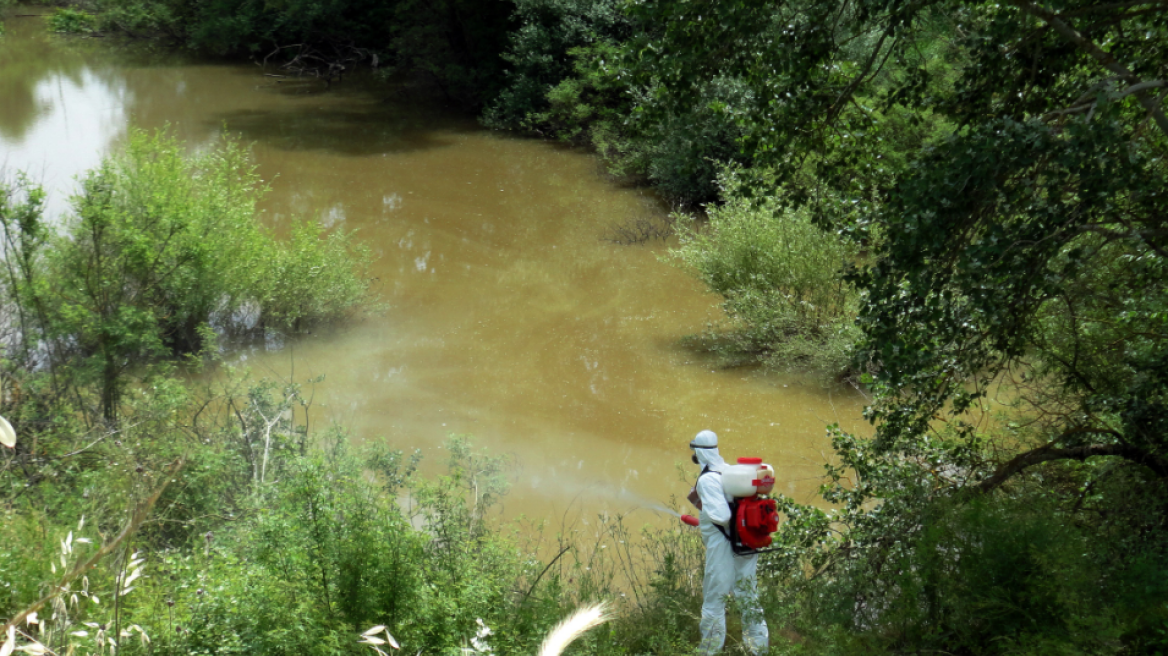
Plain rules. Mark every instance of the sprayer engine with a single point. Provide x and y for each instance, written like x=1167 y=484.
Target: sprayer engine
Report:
x=755 y=519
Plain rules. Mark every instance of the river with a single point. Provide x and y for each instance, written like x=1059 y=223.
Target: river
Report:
x=508 y=316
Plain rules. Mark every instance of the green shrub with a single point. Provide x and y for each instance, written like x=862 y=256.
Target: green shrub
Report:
x=780 y=277
x=328 y=545
x=26 y=560
x=68 y=20
x=1064 y=559
x=170 y=18
x=324 y=552
x=312 y=278
x=594 y=107
x=1000 y=576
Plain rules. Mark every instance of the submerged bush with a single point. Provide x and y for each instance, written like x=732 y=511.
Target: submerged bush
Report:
x=310 y=278
x=163 y=247
x=781 y=280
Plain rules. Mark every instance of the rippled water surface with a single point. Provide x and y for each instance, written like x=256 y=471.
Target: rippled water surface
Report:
x=509 y=317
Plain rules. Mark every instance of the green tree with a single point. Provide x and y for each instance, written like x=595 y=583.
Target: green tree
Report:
x=824 y=85
x=1021 y=239
x=538 y=53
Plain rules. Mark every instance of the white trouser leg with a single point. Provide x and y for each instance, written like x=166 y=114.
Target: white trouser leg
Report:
x=717 y=583
x=754 y=629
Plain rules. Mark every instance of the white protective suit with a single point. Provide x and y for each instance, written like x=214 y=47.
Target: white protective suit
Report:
x=726 y=573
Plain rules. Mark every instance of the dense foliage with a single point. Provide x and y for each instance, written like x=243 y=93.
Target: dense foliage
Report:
x=270 y=541
x=999 y=172
x=454 y=44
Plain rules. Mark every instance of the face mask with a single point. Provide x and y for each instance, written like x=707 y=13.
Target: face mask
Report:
x=694 y=457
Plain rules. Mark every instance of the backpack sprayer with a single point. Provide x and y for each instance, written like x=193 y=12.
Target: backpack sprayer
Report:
x=754 y=516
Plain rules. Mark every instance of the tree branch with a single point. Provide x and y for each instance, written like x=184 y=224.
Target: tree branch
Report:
x=1111 y=7
x=1049 y=452
x=855 y=83
x=1136 y=88
x=1104 y=58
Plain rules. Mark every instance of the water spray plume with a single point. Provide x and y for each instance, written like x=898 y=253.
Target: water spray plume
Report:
x=573 y=627
x=662 y=509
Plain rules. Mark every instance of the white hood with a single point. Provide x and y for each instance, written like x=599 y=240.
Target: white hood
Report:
x=710 y=458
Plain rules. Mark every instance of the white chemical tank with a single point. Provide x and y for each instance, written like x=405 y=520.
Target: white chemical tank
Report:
x=750 y=477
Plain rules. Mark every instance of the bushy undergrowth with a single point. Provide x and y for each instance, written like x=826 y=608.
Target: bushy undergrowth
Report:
x=272 y=541
x=4 y=7
x=914 y=559
x=268 y=541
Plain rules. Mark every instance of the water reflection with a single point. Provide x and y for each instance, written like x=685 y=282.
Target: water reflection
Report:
x=58 y=113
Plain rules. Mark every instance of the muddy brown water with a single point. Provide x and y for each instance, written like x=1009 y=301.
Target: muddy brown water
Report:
x=509 y=318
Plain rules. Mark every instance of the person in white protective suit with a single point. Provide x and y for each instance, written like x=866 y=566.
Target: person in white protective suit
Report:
x=726 y=573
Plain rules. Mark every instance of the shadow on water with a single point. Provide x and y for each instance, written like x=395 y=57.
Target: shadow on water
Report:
x=359 y=116
x=365 y=129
